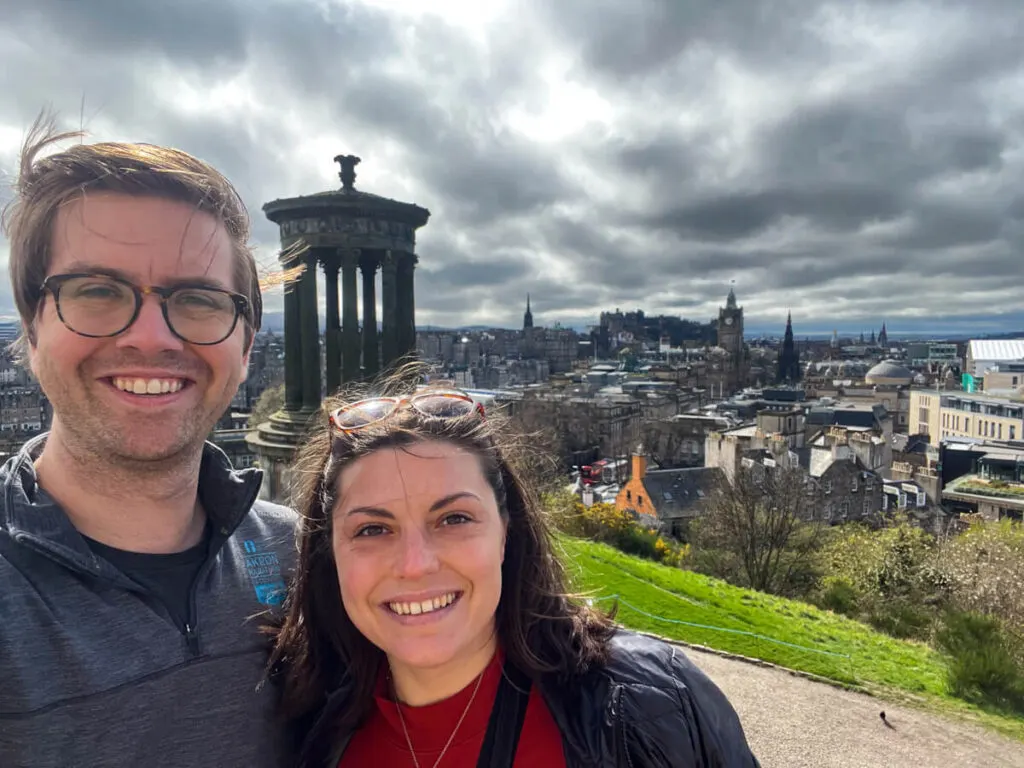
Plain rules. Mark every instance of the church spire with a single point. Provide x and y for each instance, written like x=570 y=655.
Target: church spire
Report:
x=789 y=357
x=528 y=315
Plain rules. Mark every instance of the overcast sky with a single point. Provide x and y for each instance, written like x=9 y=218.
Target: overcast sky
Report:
x=849 y=161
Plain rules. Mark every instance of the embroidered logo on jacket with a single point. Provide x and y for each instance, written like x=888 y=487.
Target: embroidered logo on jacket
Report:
x=265 y=573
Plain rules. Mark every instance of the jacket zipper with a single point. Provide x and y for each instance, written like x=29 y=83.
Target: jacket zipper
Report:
x=191 y=629
x=618 y=725
x=191 y=640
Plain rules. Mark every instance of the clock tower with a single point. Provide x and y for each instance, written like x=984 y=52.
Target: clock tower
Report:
x=730 y=338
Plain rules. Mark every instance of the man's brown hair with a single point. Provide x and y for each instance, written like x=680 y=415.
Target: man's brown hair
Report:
x=44 y=184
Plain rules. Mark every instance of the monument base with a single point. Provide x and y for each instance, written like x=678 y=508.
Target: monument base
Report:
x=276 y=442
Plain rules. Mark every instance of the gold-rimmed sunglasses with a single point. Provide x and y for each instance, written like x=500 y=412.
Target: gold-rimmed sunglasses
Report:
x=439 y=405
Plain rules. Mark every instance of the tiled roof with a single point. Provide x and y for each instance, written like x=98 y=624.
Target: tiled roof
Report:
x=679 y=493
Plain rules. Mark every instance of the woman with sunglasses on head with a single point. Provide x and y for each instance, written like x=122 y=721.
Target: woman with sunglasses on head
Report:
x=430 y=626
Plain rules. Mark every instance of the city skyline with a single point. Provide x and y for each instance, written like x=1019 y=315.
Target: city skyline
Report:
x=837 y=163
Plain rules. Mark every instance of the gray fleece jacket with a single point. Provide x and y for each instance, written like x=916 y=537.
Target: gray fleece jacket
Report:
x=94 y=673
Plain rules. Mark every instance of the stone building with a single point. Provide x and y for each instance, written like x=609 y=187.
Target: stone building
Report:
x=980 y=416
x=735 y=361
x=600 y=426
x=679 y=441
x=24 y=410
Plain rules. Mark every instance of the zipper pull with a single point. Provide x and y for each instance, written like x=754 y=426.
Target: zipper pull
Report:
x=191 y=640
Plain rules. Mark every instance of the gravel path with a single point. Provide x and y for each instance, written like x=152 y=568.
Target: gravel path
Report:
x=792 y=722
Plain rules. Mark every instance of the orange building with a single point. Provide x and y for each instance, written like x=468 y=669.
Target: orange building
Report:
x=667 y=498
x=633 y=495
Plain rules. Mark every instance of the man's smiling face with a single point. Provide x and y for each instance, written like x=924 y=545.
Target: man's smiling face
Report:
x=96 y=385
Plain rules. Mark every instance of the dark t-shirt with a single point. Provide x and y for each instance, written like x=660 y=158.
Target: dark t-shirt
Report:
x=168 y=577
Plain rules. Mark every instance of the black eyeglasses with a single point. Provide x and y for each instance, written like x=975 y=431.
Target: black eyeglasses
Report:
x=99 y=306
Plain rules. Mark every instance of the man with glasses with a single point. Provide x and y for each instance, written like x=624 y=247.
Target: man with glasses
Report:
x=135 y=563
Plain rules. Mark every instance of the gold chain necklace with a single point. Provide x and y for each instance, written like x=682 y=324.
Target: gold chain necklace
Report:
x=408 y=741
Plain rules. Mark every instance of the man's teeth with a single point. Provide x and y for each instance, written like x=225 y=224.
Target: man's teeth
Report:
x=427 y=606
x=149 y=386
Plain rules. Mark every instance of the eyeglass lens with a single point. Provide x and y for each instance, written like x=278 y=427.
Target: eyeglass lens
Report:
x=370 y=411
x=443 y=406
x=101 y=306
x=361 y=414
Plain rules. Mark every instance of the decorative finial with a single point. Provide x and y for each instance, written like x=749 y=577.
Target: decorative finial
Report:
x=347 y=175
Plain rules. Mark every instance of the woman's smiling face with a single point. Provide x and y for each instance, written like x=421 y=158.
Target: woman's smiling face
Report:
x=419 y=541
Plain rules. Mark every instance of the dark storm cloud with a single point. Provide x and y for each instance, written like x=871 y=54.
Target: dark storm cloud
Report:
x=453 y=274
x=116 y=27
x=841 y=159
x=745 y=213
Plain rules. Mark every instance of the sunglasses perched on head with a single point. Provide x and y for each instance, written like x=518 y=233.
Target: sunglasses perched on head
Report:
x=439 y=405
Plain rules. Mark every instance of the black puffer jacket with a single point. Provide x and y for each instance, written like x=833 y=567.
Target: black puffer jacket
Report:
x=649 y=707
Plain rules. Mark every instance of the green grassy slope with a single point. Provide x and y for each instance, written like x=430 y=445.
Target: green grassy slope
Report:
x=696 y=609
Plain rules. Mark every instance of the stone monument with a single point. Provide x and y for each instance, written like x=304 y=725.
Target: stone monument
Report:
x=344 y=232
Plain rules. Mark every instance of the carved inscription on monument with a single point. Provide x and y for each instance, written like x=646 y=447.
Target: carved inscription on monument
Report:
x=347 y=226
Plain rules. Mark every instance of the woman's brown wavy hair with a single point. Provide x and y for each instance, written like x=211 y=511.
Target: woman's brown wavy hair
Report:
x=541 y=629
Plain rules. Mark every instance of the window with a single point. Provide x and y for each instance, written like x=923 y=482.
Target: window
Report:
x=629 y=495
x=1013 y=432
x=1000 y=436
x=639 y=500
x=853 y=485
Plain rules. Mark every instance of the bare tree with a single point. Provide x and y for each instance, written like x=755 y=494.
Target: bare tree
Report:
x=541 y=457
x=661 y=442
x=270 y=401
x=760 y=529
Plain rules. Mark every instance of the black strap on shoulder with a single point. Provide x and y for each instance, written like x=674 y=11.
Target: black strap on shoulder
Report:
x=506 y=723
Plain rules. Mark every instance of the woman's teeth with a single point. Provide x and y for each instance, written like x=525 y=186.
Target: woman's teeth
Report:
x=149 y=386
x=427 y=606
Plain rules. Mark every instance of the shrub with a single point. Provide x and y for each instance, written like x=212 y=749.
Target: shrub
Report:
x=606 y=523
x=840 y=595
x=903 y=618
x=982 y=570
x=983 y=660
x=885 y=577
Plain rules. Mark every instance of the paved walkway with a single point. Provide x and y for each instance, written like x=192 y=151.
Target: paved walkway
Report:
x=792 y=722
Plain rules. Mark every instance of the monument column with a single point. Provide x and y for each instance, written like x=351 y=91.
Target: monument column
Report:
x=371 y=355
x=350 y=312
x=310 y=324
x=407 y=304
x=292 y=341
x=332 y=339
x=389 y=307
